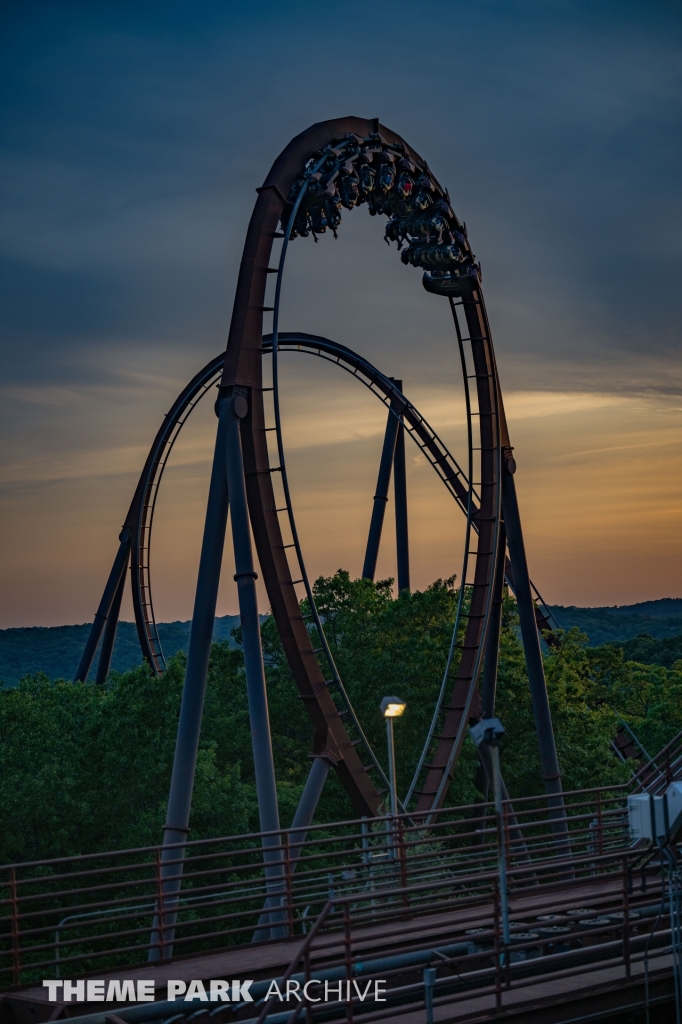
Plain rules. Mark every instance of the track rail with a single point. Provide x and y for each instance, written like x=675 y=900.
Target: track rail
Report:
x=139 y=520
x=334 y=164
x=140 y=517
x=299 y=167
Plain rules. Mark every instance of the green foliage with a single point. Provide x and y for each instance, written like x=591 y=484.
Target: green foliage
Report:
x=384 y=646
x=647 y=697
x=661 y=618
x=583 y=728
x=592 y=690
x=56 y=650
x=649 y=650
x=87 y=768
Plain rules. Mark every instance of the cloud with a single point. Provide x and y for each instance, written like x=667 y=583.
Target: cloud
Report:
x=134 y=137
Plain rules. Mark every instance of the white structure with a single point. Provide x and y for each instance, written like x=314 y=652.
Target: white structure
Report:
x=655 y=817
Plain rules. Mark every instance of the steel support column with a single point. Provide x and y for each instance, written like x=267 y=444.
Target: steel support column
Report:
x=109 y=638
x=307 y=805
x=381 y=496
x=310 y=797
x=488 y=693
x=400 y=492
x=118 y=570
x=232 y=409
x=549 y=761
x=194 y=689
x=492 y=640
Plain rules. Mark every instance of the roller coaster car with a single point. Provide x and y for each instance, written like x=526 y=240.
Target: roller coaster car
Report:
x=454 y=286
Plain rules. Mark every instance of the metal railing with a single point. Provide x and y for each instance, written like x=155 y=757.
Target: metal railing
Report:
x=591 y=929
x=95 y=912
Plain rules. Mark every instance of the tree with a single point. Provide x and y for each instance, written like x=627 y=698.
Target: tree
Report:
x=87 y=768
x=583 y=727
x=648 y=697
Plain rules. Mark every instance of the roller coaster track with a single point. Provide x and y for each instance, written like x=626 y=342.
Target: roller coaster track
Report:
x=334 y=164
x=140 y=517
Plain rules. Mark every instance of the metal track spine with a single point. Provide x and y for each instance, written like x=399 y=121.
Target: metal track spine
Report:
x=287 y=491
x=465 y=566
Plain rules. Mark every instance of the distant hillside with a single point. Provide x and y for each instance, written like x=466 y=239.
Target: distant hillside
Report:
x=56 y=650
x=623 y=622
x=649 y=651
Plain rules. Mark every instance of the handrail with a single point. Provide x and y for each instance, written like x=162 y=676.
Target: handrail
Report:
x=310 y=937
x=224 y=883
x=605 y=951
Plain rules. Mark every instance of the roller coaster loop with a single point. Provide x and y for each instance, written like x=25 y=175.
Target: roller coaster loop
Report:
x=335 y=165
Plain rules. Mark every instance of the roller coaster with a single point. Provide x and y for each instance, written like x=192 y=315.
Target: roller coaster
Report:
x=417 y=894
x=337 y=165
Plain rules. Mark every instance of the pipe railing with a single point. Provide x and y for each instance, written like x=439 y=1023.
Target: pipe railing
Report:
x=610 y=930
x=223 y=883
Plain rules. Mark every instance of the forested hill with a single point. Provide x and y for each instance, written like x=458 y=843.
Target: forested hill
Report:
x=56 y=650
x=623 y=622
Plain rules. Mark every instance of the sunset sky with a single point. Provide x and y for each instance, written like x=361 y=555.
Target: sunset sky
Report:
x=133 y=139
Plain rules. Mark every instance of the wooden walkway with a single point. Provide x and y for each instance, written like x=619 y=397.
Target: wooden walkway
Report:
x=543 y=995
x=260 y=960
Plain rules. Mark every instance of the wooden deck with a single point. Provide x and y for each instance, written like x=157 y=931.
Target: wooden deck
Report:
x=542 y=996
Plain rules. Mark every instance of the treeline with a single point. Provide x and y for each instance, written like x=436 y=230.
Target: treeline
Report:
x=649 y=650
x=56 y=650
x=655 y=619
x=87 y=768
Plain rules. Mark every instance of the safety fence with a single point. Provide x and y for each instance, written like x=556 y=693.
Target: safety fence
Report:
x=105 y=911
x=96 y=912
x=614 y=932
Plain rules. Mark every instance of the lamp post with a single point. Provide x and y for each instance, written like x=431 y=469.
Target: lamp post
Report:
x=392 y=707
x=489 y=732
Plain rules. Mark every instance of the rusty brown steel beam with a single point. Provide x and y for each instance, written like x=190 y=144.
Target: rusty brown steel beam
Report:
x=243 y=367
x=464 y=701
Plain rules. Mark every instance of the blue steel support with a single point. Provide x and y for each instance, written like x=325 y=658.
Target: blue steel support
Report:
x=102 y=614
x=380 y=497
x=310 y=797
x=490 y=664
x=400 y=492
x=192 y=706
x=549 y=761
x=232 y=409
x=492 y=640
x=109 y=638
x=492 y=653
x=488 y=690
x=307 y=805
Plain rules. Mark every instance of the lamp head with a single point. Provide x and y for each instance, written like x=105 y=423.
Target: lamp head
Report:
x=392 y=707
